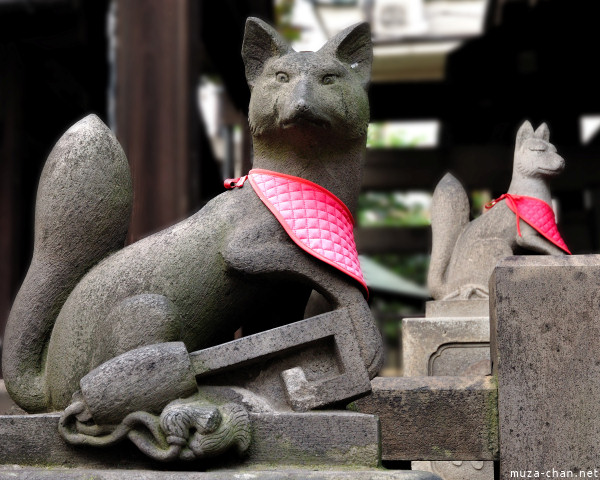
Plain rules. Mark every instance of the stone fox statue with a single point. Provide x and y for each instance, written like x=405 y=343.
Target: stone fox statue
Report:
x=465 y=253
x=84 y=301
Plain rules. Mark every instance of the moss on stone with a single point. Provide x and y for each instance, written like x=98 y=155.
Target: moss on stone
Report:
x=492 y=423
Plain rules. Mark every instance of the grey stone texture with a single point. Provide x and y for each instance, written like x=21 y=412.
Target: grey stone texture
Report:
x=435 y=418
x=300 y=366
x=452 y=339
x=465 y=253
x=441 y=346
x=193 y=284
x=544 y=343
x=84 y=200
x=6 y=403
x=253 y=474
x=458 y=470
x=317 y=439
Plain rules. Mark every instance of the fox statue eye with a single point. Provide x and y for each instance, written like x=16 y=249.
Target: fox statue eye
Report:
x=282 y=77
x=328 y=79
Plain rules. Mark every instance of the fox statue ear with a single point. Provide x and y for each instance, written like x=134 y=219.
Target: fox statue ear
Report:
x=525 y=132
x=353 y=47
x=261 y=42
x=543 y=132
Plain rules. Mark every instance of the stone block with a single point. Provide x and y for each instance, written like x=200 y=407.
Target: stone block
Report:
x=327 y=438
x=445 y=346
x=544 y=341
x=435 y=418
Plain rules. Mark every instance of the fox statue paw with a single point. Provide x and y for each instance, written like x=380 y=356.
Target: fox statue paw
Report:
x=468 y=292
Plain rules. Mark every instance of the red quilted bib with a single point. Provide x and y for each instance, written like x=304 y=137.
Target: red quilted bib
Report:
x=314 y=218
x=536 y=213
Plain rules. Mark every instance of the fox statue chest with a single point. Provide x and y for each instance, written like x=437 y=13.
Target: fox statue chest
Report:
x=238 y=263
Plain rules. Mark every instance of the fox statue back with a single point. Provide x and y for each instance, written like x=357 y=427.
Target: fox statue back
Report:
x=85 y=301
x=465 y=253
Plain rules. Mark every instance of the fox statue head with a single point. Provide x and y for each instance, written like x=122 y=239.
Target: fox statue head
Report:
x=309 y=111
x=311 y=94
x=535 y=156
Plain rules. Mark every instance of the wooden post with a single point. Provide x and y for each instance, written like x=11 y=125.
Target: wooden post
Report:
x=156 y=112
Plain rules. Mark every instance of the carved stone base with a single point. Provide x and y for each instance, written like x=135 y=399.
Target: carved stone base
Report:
x=297 y=444
x=313 y=438
x=453 y=339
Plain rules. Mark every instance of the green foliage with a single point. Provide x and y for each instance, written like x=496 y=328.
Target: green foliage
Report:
x=410 y=266
x=283 y=20
x=389 y=209
x=478 y=200
x=377 y=137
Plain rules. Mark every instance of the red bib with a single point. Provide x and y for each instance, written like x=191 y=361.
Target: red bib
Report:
x=314 y=218
x=536 y=213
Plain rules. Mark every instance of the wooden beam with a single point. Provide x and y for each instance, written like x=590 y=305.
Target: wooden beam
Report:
x=476 y=166
x=375 y=240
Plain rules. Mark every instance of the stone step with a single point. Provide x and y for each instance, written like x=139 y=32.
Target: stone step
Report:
x=29 y=473
x=435 y=418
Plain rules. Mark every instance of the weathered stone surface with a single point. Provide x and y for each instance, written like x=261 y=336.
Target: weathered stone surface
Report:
x=83 y=204
x=458 y=308
x=453 y=339
x=435 y=418
x=465 y=253
x=254 y=474
x=445 y=346
x=458 y=470
x=155 y=375
x=544 y=336
x=278 y=439
x=6 y=402
x=317 y=359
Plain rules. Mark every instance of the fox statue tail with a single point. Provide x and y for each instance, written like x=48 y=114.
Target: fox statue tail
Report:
x=83 y=207
x=450 y=213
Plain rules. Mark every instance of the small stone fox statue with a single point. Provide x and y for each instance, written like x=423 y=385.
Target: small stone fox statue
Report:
x=465 y=253
x=86 y=300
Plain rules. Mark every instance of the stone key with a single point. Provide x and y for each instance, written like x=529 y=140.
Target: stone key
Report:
x=147 y=378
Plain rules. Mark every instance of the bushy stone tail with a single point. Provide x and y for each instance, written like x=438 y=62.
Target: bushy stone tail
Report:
x=83 y=207
x=450 y=213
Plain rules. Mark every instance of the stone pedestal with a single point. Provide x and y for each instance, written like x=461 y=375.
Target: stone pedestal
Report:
x=453 y=339
x=545 y=337
x=316 y=445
